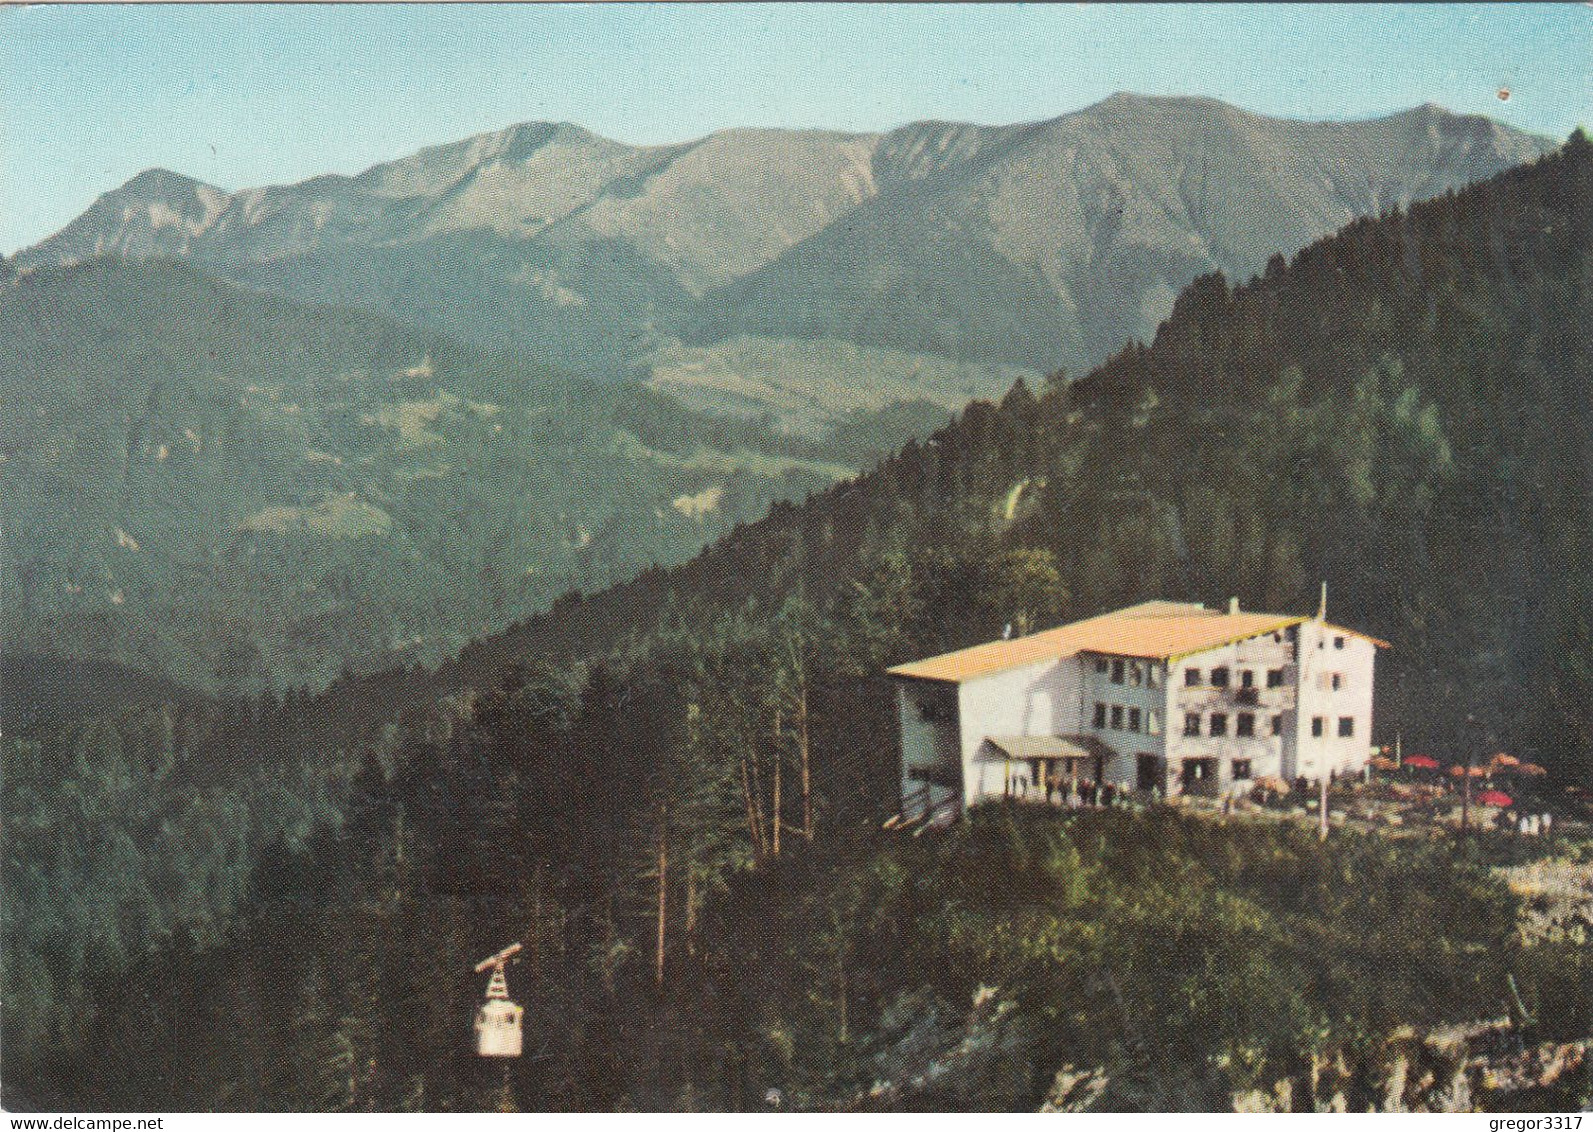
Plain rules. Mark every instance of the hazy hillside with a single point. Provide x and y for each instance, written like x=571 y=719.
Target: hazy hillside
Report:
x=1044 y=245
x=236 y=491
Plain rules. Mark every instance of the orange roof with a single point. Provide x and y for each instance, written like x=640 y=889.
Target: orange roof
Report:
x=1154 y=630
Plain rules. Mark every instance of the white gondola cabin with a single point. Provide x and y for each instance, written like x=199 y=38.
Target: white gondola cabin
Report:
x=498 y=1020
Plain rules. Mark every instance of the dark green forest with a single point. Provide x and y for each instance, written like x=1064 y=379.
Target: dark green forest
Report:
x=239 y=492
x=671 y=790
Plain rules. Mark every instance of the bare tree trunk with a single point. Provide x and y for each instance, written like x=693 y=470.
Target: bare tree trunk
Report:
x=1465 y=798
x=802 y=746
x=757 y=798
x=691 y=912
x=840 y=980
x=779 y=762
x=663 y=893
x=752 y=810
x=536 y=927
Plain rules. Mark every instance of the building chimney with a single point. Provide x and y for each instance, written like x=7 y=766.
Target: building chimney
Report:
x=1233 y=606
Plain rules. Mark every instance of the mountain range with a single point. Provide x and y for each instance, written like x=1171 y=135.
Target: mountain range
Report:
x=1043 y=245
x=245 y=468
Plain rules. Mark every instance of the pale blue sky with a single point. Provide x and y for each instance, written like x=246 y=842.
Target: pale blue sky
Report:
x=244 y=95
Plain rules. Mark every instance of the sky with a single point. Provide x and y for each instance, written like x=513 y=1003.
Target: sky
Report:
x=242 y=95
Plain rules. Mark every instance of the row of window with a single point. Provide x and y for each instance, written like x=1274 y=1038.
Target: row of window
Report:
x=1119 y=717
x=1216 y=724
x=1220 y=677
x=1134 y=673
x=1346 y=726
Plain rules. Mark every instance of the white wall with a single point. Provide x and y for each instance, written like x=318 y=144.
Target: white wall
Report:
x=1266 y=751
x=1037 y=699
x=1321 y=656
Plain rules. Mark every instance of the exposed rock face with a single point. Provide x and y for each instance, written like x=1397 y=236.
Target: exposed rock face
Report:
x=1557 y=898
x=1040 y=244
x=932 y=1060
x=1465 y=1068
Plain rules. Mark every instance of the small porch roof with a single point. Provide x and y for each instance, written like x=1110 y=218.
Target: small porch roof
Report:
x=1023 y=747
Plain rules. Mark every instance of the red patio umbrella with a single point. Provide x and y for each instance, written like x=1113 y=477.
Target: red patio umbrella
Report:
x=1422 y=761
x=1494 y=798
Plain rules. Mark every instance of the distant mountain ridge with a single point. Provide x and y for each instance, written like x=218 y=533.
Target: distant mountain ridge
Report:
x=1042 y=244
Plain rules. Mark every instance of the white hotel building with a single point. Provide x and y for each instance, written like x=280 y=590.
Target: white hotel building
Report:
x=1164 y=696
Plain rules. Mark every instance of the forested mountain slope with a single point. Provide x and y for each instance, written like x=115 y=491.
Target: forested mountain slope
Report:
x=237 y=491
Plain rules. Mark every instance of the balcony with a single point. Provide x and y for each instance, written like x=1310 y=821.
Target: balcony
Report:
x=1206 y=699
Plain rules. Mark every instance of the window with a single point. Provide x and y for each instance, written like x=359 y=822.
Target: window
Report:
x=1316 y=727
x=1219 y=677
x=1241 y=769
x=1117 y=717
x=1101 y=665
x=1219 y=723
x=1100 y=715
x=1133 y=719
x=1274 y=677
x=1117 y=671
x=1153 y=677
x=1245 y=725
x=1346 y=726
x=1153 y=722
x=1338 y=681
x=1192 y=723
x=1247 y=679
x=1338 y=642
x=1191 y=677
x=1277 y=725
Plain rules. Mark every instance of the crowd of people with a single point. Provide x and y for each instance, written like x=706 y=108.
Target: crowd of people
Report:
x=1525 y=825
